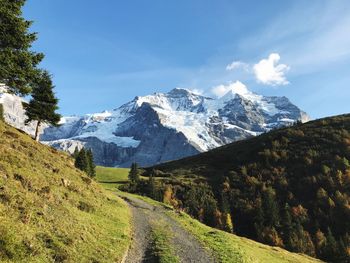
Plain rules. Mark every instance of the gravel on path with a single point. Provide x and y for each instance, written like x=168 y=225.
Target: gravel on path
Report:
x=186 y=247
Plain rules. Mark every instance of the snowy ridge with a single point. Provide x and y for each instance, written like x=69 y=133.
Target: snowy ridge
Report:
x=165 y=126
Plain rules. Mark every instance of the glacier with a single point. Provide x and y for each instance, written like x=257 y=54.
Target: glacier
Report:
x=162 y=126
x=167 y=126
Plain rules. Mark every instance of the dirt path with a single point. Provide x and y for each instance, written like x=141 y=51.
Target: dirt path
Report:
x=186 y=247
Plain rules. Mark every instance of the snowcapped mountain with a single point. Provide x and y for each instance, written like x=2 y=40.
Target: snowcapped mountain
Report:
x=180 y=123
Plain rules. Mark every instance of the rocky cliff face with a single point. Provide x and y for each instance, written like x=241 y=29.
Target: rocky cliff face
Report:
x=13 y=111
x=163 y=127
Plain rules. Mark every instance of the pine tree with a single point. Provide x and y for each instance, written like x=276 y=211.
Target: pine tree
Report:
x=91 y=164
x=259 y=219
x=331 y=247
x=43 y=105
x=225 y=204
x=134 y=175
x=75 y=153
x=151 y=185
x=84 y=161
x=287 y=227
x=18 y=63
x=342 y=250
x=270 y=207
x=81 y=161
x=1 y=113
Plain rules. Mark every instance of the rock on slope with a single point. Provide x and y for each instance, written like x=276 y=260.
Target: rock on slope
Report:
x=161 y=127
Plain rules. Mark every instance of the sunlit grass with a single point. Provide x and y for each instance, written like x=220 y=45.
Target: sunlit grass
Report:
x=52 y=212
x=110 y=178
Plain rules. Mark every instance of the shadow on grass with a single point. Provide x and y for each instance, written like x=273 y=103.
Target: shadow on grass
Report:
x=113 y=182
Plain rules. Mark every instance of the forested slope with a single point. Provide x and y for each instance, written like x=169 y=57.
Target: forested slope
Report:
x=289 y=187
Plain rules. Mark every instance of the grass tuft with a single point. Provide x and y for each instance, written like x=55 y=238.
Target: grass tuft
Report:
x=162 y=249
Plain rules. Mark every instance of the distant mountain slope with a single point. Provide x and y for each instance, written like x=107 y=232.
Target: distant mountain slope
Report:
x=50 y=211
x=162 y=127
x=289 y=187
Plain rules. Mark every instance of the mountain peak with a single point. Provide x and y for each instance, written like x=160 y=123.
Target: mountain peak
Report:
x=181 y=123
x=237 y=89
x=181 y=92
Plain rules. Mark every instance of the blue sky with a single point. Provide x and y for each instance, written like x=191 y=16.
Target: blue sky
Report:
x=104 y=53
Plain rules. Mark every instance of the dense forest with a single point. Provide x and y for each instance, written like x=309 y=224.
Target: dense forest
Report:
x=289 y=187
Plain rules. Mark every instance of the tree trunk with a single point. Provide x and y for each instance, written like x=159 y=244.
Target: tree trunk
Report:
x=36 y=136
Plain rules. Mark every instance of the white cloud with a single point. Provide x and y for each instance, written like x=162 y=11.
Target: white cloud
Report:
x=309 y=47
x=269 y=72
x=236 y=65
x=236 y=87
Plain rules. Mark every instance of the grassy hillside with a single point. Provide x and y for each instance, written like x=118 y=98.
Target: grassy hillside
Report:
x=226 y=247
x=289 y=187
x=50 y=211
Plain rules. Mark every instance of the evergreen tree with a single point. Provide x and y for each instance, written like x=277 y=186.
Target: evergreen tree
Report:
x=43 y=105
x=151 y=186
x=331 y=248
x=84 y=161
x=1 y=113
x=209 y=208
x=342 y=250
x=18 y=63
x=287 y=227
x=259 y=219
x=225 y=204
x=81 y=161
x=270 y=207
x=134 y=175
x=91 y=164
x=75 y=153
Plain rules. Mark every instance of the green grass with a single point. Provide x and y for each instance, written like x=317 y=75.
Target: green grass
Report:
x=111 y=178
x=161 y=246
x=231 y=248
x=52 y=212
